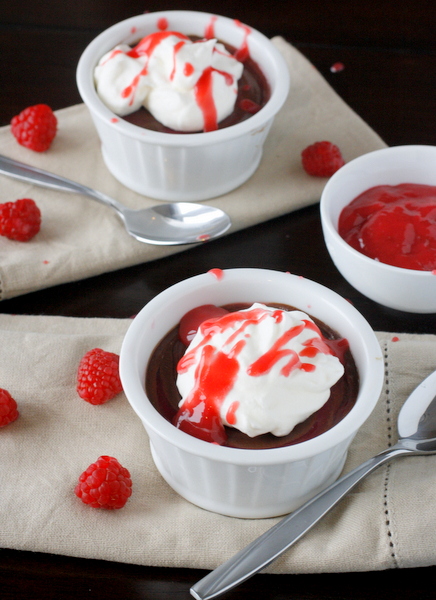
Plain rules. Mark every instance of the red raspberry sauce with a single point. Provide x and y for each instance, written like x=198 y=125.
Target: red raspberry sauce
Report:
x=395 y=225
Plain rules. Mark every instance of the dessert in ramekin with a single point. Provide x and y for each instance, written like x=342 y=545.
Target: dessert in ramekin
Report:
x=184 y=166
x=249 y=483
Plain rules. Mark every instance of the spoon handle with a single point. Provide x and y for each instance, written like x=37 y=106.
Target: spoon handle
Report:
x=23 y=172
x=266 y=548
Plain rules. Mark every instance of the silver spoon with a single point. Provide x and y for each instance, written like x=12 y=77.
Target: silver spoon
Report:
x=167 y=224
x=417 y=437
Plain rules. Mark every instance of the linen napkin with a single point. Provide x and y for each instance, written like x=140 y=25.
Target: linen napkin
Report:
x=80 y=238
x=383 y=523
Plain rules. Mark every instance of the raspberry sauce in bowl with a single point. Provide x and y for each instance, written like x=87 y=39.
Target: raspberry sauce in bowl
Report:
x=383 y=203
x=393 y=224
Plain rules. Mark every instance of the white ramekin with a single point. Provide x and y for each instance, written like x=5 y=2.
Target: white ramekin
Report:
x=394 y=287
x=232 y=481
x=185 y=167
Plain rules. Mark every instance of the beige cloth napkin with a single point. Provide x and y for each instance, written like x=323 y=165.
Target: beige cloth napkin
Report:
x=386 y=522
x=80 y=238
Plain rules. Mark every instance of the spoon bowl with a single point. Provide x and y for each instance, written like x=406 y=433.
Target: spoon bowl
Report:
x=175 y=223
x=417 y=418
x=417 y=437
x=169 y=224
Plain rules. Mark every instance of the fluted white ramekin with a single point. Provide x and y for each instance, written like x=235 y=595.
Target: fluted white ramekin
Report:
x=185 y=167
x=232 y=481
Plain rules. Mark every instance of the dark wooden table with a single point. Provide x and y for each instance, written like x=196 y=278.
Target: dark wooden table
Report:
x=388 y=51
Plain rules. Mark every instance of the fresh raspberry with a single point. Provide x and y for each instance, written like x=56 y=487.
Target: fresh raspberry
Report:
x=98 y=378
x=322 y=159
x=20 y=220
x=8 y=408
x=35 y=127
x=104 y=484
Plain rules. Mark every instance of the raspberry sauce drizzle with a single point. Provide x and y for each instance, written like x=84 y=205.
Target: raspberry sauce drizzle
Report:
x=218 y=369
x=243 y=52
x=252 y=84
x=200 y=416
x=217 y=273
x=149 y=43
x=146 y=47
x=188 y=69
x=130 y=89
x=204 y=98
x=162 y=23
x=209 y=32
x=249 y=106
x=192 y=320
x=203 y=89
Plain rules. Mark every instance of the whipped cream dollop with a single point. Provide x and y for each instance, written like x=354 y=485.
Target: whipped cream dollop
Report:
x=186 y=85
x=260 y=370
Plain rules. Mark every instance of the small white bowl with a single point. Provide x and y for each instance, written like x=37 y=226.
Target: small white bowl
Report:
x=185 y=167
x=394 y=287
x=233 y=481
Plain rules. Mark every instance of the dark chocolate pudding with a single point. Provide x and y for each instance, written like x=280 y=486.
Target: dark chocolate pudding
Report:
x=253 y=93
x=162 y=390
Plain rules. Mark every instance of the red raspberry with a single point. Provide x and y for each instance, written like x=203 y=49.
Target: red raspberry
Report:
x=104 y=484
x=322 y=159
x=98 y=378
x=20 y=220
x=8 y=408
x=35 y=127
